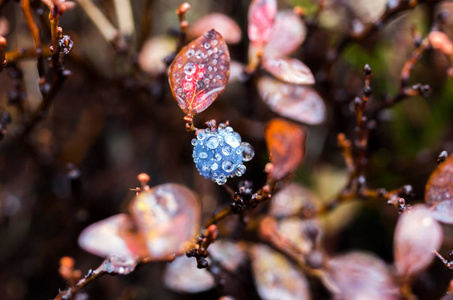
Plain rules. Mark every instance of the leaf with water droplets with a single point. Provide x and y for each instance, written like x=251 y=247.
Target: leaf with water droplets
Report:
x=276 y=277
x=114 y=236
x=440 y=184
x=297 y=102
x=223 y=24
x=289 y=70
x=417 y=234
x=358 y=275
x=168 y=218
x=261 y=18
x=443 y=211
x=182 y=275
x=286 y=146
x=200 y=72
x=287 y=35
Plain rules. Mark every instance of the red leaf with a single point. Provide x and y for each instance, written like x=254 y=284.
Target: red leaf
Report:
x=261 y=20
x=289 y=70
x=299 y=103
x=440 y=184
x=358 y=275
x=223 y=24
x=417 y=234
x=200 y=72
x=168 y=218
x=286 y=147
x=287 y=35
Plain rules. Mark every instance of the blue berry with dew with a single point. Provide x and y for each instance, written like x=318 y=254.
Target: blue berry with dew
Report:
x=219 y=152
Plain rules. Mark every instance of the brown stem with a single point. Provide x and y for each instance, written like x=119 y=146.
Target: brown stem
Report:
x=2 y=52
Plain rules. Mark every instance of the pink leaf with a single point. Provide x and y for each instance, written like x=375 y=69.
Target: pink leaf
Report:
x=289 y=70
x=223 y=24
x=300 y=103
x=261 y=19
x=182 y=275
x=417 y=234
x=358 y=275
x=200 y=72
x=443 y=211
x=287 y=35
x=168 y=218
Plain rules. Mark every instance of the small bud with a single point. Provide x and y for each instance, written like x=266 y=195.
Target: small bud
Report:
x=441 y=42
x=367 y=70
x=442 y=156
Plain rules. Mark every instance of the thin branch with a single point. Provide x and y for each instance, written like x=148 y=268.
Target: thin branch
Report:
x=125 y=17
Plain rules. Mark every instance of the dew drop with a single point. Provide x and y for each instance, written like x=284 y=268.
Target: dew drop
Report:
x=206 y=80
x=194 y=142
x=209 y=52
x=218 y=157
x=218 y=77
x=221 y=179
x=215 y=42
x=227 y=150
x=190 y=68
x=201 y=135
x=214 y=166
x=212 y=142
x=229 y=129
x=215 y=50
x=247 y=151
x=214 y=62
x=227 y=166
x=205 y=167
x=199 y=54
x=203 y=155
x=231 y=140
x=209 y=68
x=240 y=170
x=207 y=46
x=190 y=53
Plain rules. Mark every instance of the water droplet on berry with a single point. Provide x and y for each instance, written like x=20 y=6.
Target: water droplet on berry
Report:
x=247 y=151
x=227 y=166
x=232 y=140
x=240 y=170
x=227 y=150
x=201 y=135
x=194 y=142
x=214 y=166
x=207 y=46
x=212 y=142
x=217 y=156
x=190 y=53
x=203 y=155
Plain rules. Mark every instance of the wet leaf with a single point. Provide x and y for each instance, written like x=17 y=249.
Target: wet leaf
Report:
x=297 y=102
x=305 y=235
x=289 y=70
x=200 y=72
x=417 y=234
x=358 y=275
x=443 y=211
x=261 y=18
x=168 y=217
x=276 y=277
x=440 y=184
x=286 y=147
x=287 y=35
x=114 y=236
x=151 y=57
x=290 y=200
x=223 y=24
x=182 y=275
x=228 y=253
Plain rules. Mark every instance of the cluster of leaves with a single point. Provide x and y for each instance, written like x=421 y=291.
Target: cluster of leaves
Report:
x=277 y=233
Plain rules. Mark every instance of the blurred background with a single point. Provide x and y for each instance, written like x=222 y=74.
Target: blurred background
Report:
x=114 y=118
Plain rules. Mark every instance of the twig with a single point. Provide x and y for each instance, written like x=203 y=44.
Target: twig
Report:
x=183 y=25
x=2 y=52
x=125 y=17
x=105 y=27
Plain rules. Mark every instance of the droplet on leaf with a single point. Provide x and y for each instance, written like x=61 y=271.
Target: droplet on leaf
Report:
x=261 y=18
x=359 y=275
x=443 y=211
x=197 y=80
x=286 y=146
x=287 y=35
x=289 y=70
x=275 y=277
x=182 y=275
x=168 y=217
x=297 y=102
x=417 y=234
x=223 y=24
x=440 y=184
